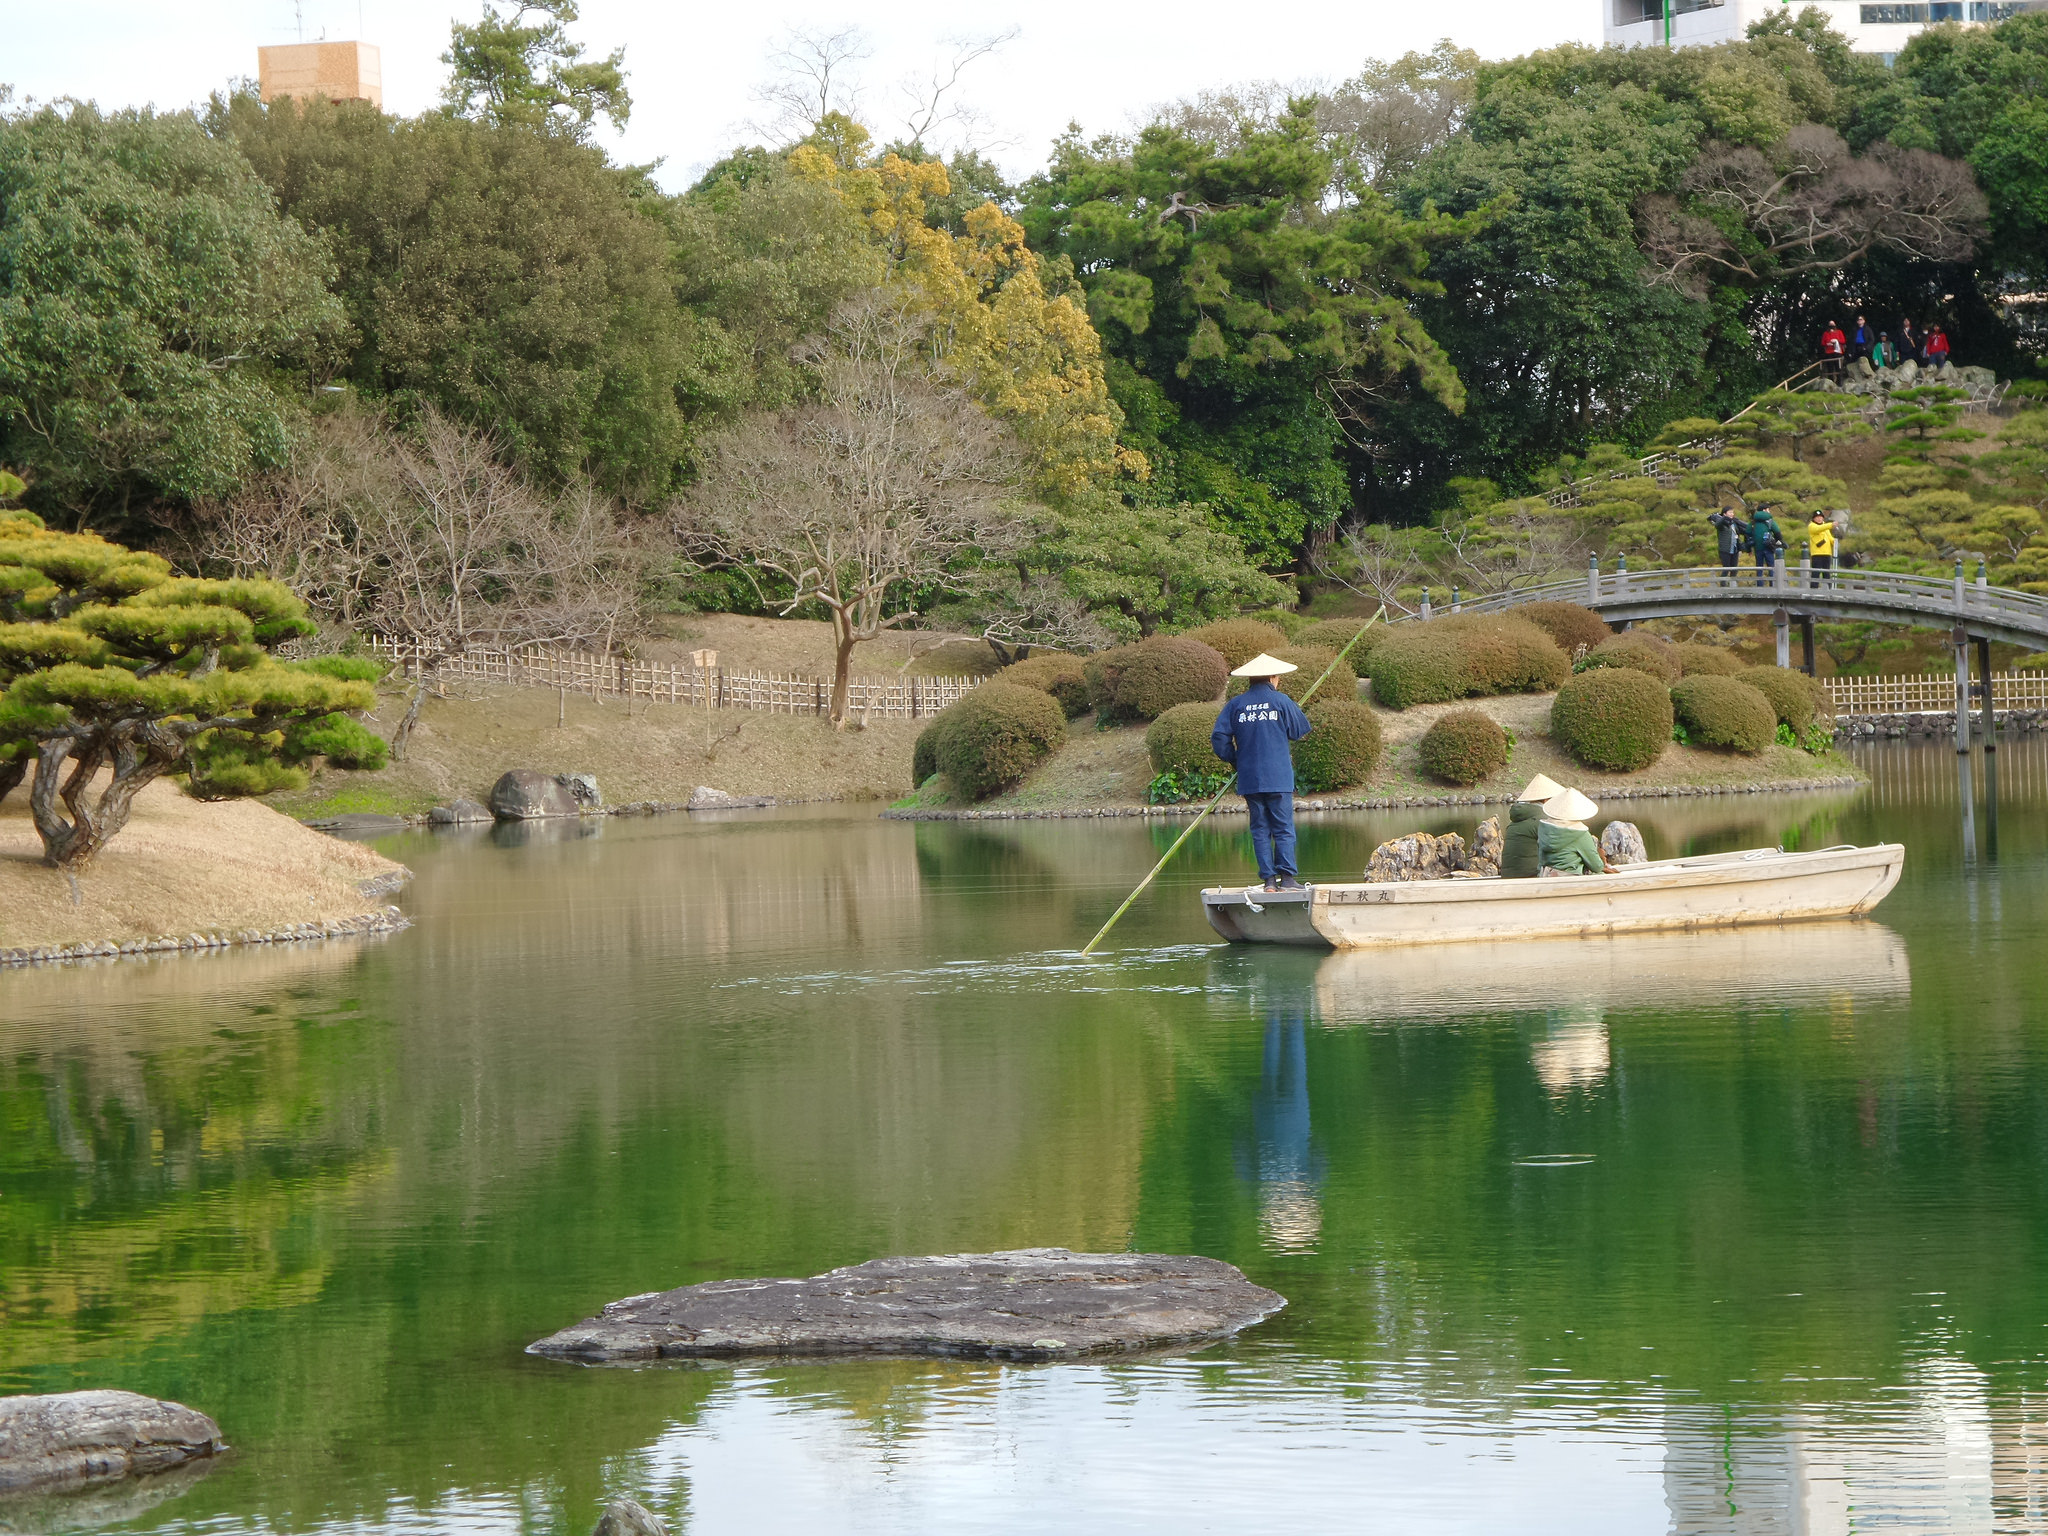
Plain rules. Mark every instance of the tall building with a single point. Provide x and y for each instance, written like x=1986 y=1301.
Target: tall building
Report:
x=335 y=71
x=1880 y=28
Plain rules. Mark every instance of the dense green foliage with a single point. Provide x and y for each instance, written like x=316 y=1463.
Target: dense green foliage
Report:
x=1164 y=671
x=1053 y=672
x=1697 y=660
x=1335 y=634
x=1342 y=747
x=1237 y=641
x=1794 y=697
x=1463 y=747
x=1613 y=717
x=1310 y=663
x=1724 y=712
x=996 y=735
x=156 y=313
x=1178 y=741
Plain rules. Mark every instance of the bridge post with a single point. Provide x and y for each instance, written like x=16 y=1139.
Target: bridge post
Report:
x=1592 y=581
x=1988 y=720
x=1425 y=604
x=1961 y=641
x=1783 y=622
x=1806 y=643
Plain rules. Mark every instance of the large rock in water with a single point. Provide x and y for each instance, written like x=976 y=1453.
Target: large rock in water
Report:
x=1488 y=843
x=624 y=1517
x=70 y=1438
x=525 y=794
x=1028 y=1304
x=705 y=798
x=461 y=813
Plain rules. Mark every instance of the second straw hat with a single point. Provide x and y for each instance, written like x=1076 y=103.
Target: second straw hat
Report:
x=1263 y=665
x=1571 y=807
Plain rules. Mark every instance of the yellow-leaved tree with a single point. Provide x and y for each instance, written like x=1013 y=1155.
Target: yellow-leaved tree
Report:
x=1023 y=347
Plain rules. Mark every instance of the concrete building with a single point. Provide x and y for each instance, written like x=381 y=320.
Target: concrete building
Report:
x=1880 y=28
x=336 y=71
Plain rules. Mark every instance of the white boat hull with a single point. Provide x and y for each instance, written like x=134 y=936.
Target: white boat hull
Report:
x=1714 y=891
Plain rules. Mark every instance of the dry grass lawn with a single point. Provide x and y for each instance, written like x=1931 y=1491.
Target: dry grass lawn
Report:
x=648 y=752
x=805 y=647
x=180 y=866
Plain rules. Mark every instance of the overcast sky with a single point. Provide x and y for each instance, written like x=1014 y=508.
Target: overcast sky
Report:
x=693 y=67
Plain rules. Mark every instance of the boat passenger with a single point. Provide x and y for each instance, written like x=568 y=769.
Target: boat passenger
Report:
x=1519 y=858
x=1252 y=734
x=1562 y=838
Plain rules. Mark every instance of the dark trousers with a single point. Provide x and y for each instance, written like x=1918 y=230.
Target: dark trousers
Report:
x=1272 y=819
x=1763 y=570
x=1821 y=565
x=1729 y=562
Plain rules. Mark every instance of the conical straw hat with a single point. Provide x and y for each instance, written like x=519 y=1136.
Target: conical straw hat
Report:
x=1542 y=787
x=1263 y=665
x=1569 y=809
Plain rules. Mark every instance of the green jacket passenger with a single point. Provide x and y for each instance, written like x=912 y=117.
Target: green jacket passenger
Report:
x=1569 y=850
x=1520 y=858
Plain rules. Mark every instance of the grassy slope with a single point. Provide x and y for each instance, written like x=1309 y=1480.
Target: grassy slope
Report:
x=180 y=867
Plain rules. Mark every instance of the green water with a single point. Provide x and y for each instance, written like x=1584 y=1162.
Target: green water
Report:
x=1742 y=1232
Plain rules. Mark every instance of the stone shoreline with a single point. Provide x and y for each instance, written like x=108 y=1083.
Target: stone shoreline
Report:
x=384 y=920
x=1600 y=793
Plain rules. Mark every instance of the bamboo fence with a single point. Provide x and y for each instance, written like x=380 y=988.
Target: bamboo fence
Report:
x=882 y=697
x=1931 y=693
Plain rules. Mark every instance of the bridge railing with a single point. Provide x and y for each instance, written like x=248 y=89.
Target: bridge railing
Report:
x=1948 y=599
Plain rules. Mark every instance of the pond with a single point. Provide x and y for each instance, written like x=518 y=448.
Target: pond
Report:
x=1738 y=1232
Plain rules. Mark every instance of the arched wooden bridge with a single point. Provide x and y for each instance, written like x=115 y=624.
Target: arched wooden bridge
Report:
x=1790 y=593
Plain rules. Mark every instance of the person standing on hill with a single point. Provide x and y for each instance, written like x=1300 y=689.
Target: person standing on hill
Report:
x=1937 y=347
x=1253 y=734
x=1520 y=852
x=1861 y=338
x=1820 y=547
x=1884 y=355
x=1731 y=538
x=1833 y=347
x=1765 y=540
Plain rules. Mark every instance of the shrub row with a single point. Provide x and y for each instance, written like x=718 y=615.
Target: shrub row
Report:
x=1342 y=748
x=1613 y=717
x=1566 y=623
x=1239 y=640
x=1461 y=657
x=1724 y=712
x=1310 y=662
x=1053 y=672
x=1143 y=680
x=989 y=740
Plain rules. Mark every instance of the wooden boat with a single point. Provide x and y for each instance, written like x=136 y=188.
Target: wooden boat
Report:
x=1761 y=885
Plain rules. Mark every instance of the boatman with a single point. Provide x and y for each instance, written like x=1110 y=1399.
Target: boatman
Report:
x=1252 y=734
x=1520 y=858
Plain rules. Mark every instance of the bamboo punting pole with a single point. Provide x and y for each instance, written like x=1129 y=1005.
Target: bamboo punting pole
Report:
x=1189 y=829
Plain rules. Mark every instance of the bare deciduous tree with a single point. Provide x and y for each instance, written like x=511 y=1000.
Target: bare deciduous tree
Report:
x=812 y=78
x=1811 y=206
x=888 y=489
x=430 y=537
x=929 y=101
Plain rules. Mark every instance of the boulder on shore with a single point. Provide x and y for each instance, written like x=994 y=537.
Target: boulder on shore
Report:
x=525 y=794
x=1027 y=1304
x=1488 y=843
x=707 y=799
x=1418 y=856
x=70 y=1438
x=460 y=813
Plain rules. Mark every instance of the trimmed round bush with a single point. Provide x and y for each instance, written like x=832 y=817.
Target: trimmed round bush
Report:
x=1460 y=657
x=1795 y=697
x=1102 y=670
x=996 y=735
x=1707 y=661
x=1613 y=717
x=1342 y=747
x=1508 y=654
x=1053 y=672
x=1309 y=663
x=1464 y=747
x=1237 y=641
x=924 y=756
x=1568 y=625
x=1164 y=671
x=1639 y=653
x=1178 y=741
x=1724 y=712
x=1333 y=635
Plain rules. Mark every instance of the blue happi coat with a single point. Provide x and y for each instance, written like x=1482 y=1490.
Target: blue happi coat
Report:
x=1252 y=734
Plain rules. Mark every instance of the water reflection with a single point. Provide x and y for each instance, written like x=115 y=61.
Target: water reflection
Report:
x=1560 y=1223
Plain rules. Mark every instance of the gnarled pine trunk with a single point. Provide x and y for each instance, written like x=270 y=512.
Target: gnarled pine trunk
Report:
x=138 y=756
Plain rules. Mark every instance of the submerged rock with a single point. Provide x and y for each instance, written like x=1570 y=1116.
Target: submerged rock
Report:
x=525 y=794
x=70 y=1438
x=1622 y=843
x=459 y=813
x=1027 y=1304
x=623 y=1517
x=708 y=799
